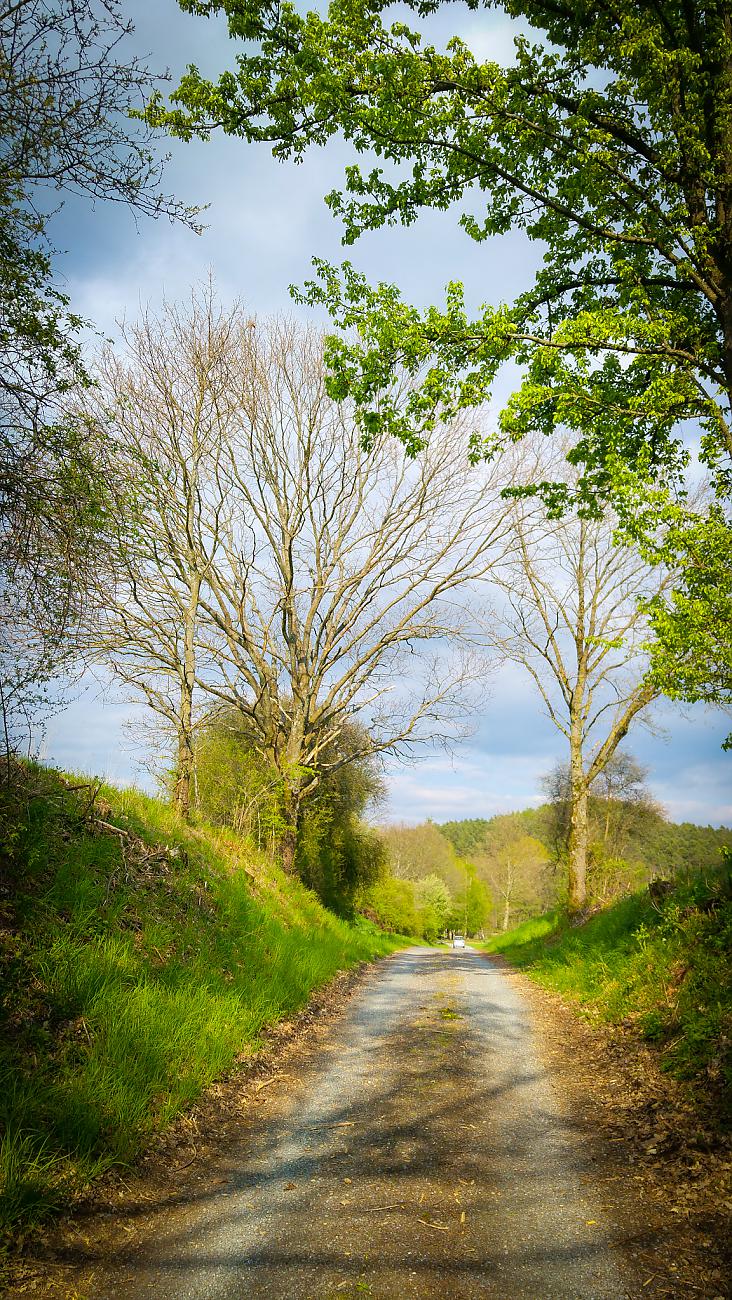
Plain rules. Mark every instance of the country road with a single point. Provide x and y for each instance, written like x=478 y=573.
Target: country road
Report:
x=425 y=1157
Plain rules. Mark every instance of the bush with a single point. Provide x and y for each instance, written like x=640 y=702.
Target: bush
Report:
x=390 y=902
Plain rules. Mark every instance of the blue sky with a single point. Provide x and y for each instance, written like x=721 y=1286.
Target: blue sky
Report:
x=264 y=222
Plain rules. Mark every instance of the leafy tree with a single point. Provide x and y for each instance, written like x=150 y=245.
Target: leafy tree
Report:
x=514 y=865
x=390 y=902
x=607 y=139
x=473 y=909
x=691 y=656
x=465 y=836
x=641 y=845
x=435 y=906
x=415 y=852
x=65 y=99
x=337 y=854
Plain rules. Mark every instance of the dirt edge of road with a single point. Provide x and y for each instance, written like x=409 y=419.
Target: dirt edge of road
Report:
x=659 y=1168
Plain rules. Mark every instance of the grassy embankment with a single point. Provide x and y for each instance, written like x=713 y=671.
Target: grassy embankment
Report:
x=136 y=968
x=664 y=966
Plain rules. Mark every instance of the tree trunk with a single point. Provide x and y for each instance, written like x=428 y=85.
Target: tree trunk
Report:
x=577 y=895
x=186 y=757
x=506 y=913
x=287 y=840
x=184 y=774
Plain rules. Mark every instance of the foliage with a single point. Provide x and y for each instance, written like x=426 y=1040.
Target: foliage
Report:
x=447 y=892
x=391 y=903
x=691 y=656
x=472 y=911
x=514 y=866
x=336 y=854
x=664 y=967
x=136 y=969
x=415 y=852
x=605 y=138
x=467 y=835
x=234 y=786
x=631 y=843
x=64 y=128
x=435 y=906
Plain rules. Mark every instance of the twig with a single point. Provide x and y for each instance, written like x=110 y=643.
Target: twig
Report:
x=396 y=1205
x=116 y=830
x=188 y=1163
x=266 y=1082
x=441 y=1227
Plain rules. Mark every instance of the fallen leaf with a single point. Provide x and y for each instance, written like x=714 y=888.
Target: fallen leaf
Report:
x=289 y=1187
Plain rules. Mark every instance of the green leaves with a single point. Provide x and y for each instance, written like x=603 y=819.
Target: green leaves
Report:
x=606 y=138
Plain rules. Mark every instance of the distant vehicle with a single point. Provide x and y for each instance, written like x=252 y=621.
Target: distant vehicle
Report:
x=458 y=941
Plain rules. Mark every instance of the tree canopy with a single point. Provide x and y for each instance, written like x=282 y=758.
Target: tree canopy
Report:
x=605 y=139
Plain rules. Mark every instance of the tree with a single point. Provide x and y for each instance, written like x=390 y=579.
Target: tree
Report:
x=571 y=619
x=620 y=811
x=65 y=100
x=337 y=854
x=435 y=903
x=390 y=902
x=513 y=864
x=165 y=409
x=319 y=569
x=691 y=653
x=415 y=852
x=607 y=139
x=473 y=909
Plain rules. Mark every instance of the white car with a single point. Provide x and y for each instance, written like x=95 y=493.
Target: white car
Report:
x=458 y=941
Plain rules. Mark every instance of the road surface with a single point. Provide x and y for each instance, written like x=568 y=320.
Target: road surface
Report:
x=424 y=1157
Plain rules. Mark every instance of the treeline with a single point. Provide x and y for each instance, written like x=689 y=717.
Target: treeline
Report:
x=483 y=875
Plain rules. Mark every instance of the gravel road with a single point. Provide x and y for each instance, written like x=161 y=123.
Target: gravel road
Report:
x=425 y=1156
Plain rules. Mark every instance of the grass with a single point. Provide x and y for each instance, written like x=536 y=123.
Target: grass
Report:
x=136 y=969
x=665 y=967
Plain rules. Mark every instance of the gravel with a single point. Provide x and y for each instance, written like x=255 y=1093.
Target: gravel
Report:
x=424 y=1156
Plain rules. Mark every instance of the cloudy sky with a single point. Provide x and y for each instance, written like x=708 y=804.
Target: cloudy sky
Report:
x=265 y=220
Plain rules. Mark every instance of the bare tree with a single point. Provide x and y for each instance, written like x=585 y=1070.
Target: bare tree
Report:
x=337 y=567
x=572 y=618
x=313 y=574
x=166 y=408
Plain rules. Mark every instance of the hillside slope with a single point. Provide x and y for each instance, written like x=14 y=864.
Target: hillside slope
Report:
x=661 y=965
x=139 y=959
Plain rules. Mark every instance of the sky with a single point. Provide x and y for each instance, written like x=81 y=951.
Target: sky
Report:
x=264 y=221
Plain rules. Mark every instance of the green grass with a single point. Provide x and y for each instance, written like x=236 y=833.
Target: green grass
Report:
x=134 y=972
x=665 y=968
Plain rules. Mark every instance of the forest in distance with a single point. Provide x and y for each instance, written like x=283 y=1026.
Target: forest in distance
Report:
x=482 y=875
